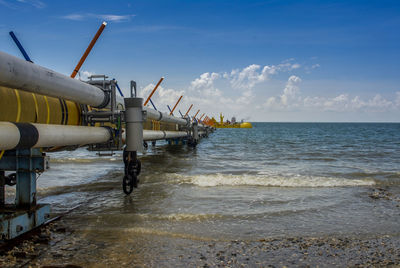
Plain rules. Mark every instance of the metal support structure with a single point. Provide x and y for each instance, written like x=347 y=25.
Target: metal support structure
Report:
x=133 y=89
x=134 y=117
x=25 y=214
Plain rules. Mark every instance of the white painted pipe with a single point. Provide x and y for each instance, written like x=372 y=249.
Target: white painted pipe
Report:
x=165 y=117
x=21 y=74
x=25 y=135
x=152 y=135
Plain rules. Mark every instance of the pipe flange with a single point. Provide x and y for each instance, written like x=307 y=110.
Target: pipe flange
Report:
x=106 y=100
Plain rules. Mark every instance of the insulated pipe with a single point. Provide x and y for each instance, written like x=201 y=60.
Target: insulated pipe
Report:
x=164 y=117
x=26 y=135
x=152 y=135
x=21 y=74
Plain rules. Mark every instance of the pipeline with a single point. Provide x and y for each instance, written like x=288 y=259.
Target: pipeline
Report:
x=26 y=135
x=24 y=75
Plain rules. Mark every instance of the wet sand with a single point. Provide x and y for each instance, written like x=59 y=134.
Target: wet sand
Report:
x=60 y=246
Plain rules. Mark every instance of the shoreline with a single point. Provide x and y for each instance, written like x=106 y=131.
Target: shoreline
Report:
x=59 y=246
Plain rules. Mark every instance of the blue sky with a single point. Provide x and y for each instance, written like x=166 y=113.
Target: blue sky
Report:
x=256 y=60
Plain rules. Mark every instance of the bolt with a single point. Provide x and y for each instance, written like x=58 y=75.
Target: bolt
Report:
x=19 y=228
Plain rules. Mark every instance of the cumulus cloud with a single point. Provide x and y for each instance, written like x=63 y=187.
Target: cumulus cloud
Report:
x=254 y=74
x=106 y=17
x=289 y=98
x=162 y=97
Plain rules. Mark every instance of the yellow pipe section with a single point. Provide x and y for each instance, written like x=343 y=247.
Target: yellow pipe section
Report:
x=25 y=107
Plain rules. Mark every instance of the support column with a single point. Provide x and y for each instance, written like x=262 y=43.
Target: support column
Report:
x=134 y=117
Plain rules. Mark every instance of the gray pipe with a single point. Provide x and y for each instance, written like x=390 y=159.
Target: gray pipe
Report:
x=134 y=124
x=20 y=74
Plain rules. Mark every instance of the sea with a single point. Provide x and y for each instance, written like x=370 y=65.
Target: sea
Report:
x=274 y=180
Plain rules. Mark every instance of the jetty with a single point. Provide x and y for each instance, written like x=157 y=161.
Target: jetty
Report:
x=43 y=111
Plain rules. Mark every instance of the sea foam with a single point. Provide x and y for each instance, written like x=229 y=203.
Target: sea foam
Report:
x=219 y=179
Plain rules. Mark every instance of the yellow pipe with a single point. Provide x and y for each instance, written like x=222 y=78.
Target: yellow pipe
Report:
x=25 y=107
x=17 y=105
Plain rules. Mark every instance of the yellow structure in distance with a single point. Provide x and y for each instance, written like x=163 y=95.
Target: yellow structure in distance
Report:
x=229 y=124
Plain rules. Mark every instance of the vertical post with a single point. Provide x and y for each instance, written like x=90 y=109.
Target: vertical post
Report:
x=26 y=178
x=133 y=89
x=2 y=189
x=195 y=132
x=134 y=124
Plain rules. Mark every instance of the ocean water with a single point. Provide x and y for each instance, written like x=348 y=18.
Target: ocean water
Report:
x=274 y=180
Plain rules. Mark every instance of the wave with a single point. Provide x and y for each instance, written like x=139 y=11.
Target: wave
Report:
x=219 y=179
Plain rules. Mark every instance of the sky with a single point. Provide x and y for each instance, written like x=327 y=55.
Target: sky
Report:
x=274 y=61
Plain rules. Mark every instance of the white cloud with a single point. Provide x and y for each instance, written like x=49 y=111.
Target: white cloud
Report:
x=84 y=75
x=35 y=3
x=162 y=97
x=290 y=90
x=398 y=99
x=106 y=17
x=206 y=80
x=343 y=103
x=289 y=98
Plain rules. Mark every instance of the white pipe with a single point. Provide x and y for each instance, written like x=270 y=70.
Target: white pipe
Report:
x=24 y=75
x=164 y=117
x=152 y=135
x=42 y=135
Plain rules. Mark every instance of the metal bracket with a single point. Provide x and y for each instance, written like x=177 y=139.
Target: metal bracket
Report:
x=25 y=214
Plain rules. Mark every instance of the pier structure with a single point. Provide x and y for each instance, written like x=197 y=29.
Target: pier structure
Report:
x=42 y=111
